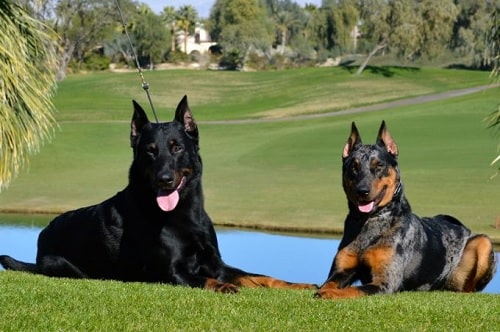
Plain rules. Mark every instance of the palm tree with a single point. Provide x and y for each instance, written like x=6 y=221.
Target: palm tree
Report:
x=27 y=82
x=169 y=17
x=284 y=20
x=186 y=21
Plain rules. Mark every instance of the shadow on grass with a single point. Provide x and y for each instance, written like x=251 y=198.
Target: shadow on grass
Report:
x=461 y=66
x=386 y=71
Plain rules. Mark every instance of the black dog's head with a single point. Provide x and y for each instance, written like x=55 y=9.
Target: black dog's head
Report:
x=166 y=161
x=370 y=172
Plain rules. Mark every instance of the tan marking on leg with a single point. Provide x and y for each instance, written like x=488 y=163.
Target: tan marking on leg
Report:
x=215 y=285
x=346 y=259
x=269 y=282
x=474 y=265
x=378 y=259
x=344 y=293
x=330 y=285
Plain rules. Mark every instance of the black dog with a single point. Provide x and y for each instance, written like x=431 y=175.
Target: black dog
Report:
x=386 y=246
x=155 y=230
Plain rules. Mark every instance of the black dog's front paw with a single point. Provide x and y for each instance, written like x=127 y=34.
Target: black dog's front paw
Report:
x=221 y=287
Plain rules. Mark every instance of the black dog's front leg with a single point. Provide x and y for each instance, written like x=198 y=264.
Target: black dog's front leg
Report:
x=180 y=276
x=246 y=279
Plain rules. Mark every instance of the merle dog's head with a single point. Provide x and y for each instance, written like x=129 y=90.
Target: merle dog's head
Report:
x=166 y=162
x=370 y=172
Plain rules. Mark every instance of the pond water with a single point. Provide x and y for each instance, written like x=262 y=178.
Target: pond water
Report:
x=289 y=257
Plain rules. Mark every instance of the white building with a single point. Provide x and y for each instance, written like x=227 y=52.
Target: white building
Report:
x=199 y=42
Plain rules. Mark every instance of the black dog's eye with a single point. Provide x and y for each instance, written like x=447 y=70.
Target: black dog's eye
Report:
x=175 y=147
x=152 y=149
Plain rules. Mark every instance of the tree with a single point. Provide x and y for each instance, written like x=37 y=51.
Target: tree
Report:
x=240 y=25
x=410 y=28
x=288 y=20
x=342 y=19
x=186 y=21
x=472 y=24
x=315 y=31
x=148 y=35
x=169 y=17
x=27 y=82
x=82 y=25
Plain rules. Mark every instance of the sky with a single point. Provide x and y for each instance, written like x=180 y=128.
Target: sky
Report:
x=202 y=6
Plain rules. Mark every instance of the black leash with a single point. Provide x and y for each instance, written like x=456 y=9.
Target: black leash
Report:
x=145 y=85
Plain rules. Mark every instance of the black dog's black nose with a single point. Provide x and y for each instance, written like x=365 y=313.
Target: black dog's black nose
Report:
x=166 y=180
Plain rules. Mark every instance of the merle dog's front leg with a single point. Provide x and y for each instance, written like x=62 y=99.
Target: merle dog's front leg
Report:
x=372 y=268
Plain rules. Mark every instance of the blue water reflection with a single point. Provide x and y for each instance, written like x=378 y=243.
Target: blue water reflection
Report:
x=293 y=258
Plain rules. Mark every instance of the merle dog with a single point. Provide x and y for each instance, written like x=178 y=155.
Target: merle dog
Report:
x=155 y=230
x=386 y=246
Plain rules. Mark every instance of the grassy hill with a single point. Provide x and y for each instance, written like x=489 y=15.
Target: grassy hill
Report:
x=286 y=173
x=283 y=174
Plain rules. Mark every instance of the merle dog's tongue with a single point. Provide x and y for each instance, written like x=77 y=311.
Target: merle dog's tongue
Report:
x=365 y=208
x=168 y=202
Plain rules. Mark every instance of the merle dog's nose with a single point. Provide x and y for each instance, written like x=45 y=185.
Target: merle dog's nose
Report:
x=363 y=191
x=166 y=180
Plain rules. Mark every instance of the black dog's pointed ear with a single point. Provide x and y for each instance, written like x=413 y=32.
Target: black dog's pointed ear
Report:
x=352 y=142
x=139 y=120
x=184 y=115
x=385 y=140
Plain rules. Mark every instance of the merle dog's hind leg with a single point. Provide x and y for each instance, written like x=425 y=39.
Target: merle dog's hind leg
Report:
x=57 y=266
x=476 y=267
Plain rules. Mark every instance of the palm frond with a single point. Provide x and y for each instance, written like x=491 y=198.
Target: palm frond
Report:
x=27 y=85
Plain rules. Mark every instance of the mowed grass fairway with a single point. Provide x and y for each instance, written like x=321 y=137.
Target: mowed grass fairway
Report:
x=37 y=303
x=284 y=174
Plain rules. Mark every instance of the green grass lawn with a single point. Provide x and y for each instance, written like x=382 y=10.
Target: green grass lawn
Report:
x=284 y=174
x=37 y=303
x=223 y=95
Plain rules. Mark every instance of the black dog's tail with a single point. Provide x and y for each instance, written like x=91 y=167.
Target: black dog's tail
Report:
x=10 y=263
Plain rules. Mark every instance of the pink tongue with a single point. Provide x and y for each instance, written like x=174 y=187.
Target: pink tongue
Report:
x=365 y=208
x=168 y=202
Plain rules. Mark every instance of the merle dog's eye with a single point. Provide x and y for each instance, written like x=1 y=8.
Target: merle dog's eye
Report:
x=355 y=167
x=378 y=167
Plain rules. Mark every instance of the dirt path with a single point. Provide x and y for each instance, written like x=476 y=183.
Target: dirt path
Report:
x=369 y=108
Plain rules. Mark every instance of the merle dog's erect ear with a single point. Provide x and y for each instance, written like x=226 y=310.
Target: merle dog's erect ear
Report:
x=385 y=140
x=184 y=115
x=352 y=142
x=139 y=119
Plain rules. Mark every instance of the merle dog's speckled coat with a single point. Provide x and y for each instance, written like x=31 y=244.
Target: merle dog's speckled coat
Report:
x=386 y=246
x=155 y=230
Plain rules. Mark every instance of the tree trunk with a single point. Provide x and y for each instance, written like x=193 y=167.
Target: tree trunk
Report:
x=368 y=58
x=283 y=41
x=185 y=41
x=173 y=37
x=65 y=59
